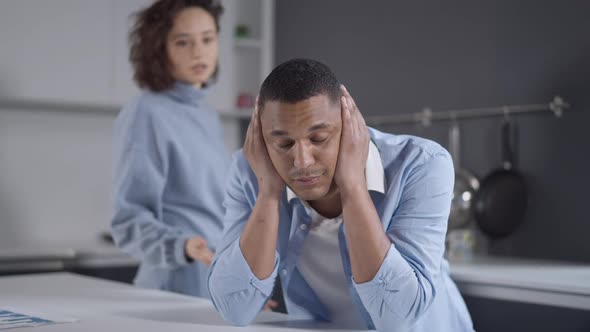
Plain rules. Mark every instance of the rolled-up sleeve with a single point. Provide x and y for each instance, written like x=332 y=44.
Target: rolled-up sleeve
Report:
x=236 y=292
x=405 y=285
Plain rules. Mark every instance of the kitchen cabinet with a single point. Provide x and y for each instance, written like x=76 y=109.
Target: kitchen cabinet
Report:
x=124 y=274
x=73 y=55
x=491 y=315
x=25 y=261
x=71 y=52
x=59 y=50
x=505 y=294
x=104 y=261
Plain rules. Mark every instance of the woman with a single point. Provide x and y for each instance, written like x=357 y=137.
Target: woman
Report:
x=170 y=158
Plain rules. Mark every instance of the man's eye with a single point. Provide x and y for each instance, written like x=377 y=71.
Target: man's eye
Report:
x=207 y=40
x=318 y=139
x=182 y=43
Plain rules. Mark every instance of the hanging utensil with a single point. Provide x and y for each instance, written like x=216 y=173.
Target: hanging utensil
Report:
x=501 y=202
x=466 y=184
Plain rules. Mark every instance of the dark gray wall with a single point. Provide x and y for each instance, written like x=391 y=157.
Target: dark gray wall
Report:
x=398 y=57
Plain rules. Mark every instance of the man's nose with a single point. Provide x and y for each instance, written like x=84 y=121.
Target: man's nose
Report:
x=303 y=156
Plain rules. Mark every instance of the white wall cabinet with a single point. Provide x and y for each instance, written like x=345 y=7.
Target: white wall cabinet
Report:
x=55 y=50
x=55 y=167
x=75 y=52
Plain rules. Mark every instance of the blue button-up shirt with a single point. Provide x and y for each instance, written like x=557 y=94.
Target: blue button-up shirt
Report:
x=412 y=290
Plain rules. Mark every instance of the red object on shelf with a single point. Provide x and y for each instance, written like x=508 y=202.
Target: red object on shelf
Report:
x=245 y=100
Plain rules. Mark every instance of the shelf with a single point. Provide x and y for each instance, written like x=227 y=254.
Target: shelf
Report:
x=59 y=106
x=248 y=43
x=242 y=113
x=48 y=105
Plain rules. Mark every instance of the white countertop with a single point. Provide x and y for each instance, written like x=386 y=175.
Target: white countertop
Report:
x=534 y=281
x=102 y=305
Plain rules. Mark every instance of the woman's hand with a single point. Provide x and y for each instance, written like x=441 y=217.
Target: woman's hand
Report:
x=196 y=248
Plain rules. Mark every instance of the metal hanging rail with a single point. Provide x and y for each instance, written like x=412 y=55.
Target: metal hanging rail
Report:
x=427 y=116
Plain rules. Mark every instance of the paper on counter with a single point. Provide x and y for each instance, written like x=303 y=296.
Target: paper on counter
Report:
x=11 y=317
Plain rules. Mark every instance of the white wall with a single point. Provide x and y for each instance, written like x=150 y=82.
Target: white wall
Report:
x=55 y=171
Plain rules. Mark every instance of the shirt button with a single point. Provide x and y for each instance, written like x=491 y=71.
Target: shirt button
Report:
x=303 y=227
x=284 y=272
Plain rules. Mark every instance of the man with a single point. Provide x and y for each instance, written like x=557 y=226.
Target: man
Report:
x=353 y=219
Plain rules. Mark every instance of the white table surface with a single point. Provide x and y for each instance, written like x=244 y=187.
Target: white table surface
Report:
x=101 y=305
x=552 y=283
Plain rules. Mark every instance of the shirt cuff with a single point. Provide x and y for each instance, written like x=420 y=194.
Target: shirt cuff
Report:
x=179 y=253
x=241 y=268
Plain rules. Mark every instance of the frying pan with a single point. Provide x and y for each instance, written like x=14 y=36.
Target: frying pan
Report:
x=466 y=184
x=500 y=203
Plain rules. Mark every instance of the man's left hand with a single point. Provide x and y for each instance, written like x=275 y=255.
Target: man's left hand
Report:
x=354 y=147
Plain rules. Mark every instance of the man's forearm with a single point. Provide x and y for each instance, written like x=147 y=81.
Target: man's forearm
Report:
x=367 y=242
x=259 y=238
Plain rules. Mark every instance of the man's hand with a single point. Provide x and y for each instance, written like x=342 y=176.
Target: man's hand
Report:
x=269 y=181
x=270 y=305
x=354 y=147
x=197 y=249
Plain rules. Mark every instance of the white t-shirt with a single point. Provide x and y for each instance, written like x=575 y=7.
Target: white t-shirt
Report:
x=320 y=262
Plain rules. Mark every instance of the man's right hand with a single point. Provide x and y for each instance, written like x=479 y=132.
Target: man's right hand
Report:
x=269 y=180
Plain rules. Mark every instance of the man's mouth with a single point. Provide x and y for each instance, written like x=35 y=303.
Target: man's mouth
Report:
x=307 y=181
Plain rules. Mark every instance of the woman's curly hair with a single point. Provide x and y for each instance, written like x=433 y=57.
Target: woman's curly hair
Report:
x=147 y=40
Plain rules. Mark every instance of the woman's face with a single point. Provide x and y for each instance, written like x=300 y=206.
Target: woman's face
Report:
x=192 y=46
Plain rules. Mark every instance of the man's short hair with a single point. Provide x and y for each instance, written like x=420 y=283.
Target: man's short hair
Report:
x=299 y=79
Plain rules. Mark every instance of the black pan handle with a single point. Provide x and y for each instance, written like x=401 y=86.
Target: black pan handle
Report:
x=509 y=136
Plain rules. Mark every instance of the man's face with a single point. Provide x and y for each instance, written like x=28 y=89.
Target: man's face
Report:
x=303 y=141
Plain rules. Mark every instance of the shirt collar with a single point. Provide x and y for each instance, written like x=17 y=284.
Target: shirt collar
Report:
x=374 y=173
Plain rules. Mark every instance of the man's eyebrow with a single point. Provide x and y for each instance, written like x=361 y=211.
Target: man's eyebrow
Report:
x=278 y=133
x=319 y=126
